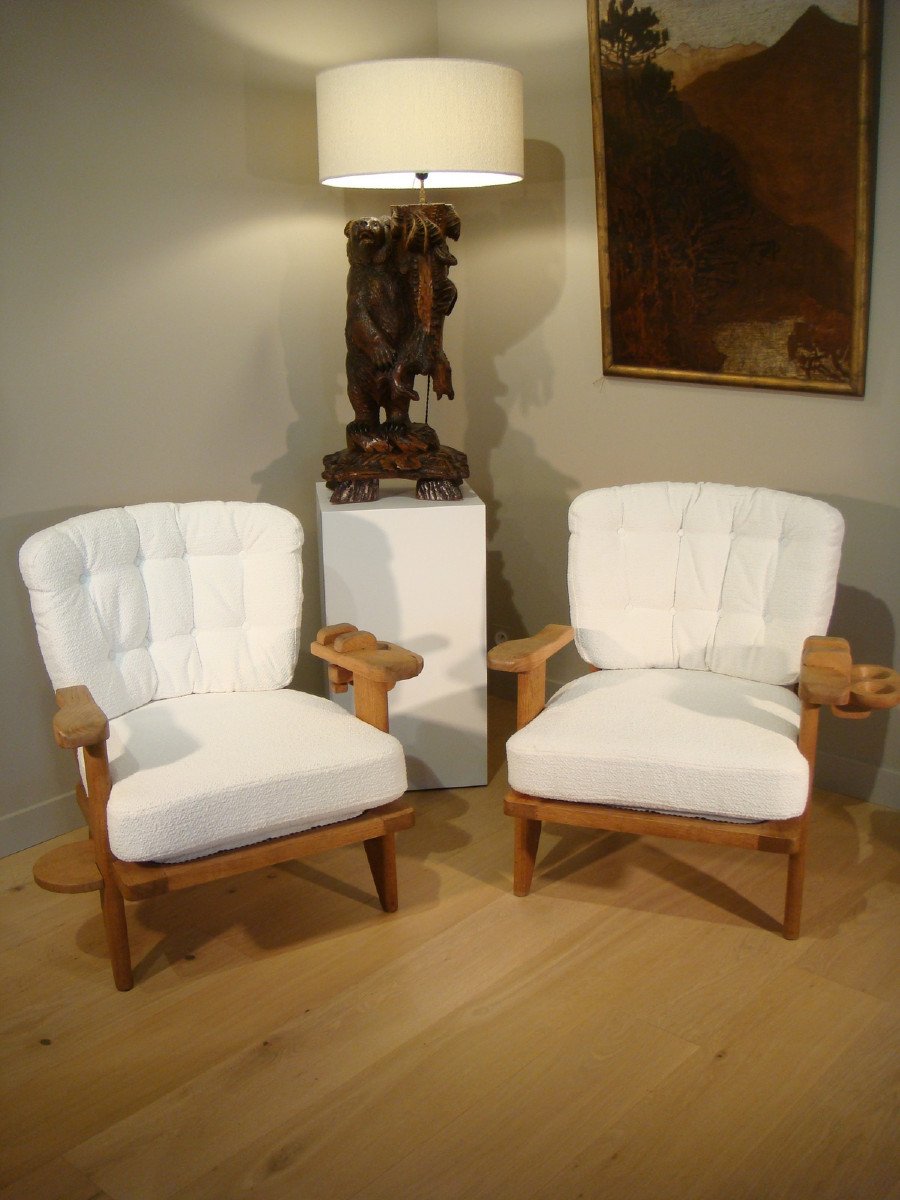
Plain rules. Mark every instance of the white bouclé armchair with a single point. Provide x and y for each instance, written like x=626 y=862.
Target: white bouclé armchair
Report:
x=701 y=610
x=171 y=633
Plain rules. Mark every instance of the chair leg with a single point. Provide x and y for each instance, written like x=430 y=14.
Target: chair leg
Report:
x=793 y=901
x=527 y=836
x=113 y=907
x=382 y=855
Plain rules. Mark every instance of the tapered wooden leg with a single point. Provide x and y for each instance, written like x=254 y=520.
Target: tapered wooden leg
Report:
x=382 y=855
x=113 y=907
x=96 y=765
x=527 y=836
x=793 y=901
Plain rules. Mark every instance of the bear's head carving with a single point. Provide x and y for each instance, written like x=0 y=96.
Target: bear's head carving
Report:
x=369 y=240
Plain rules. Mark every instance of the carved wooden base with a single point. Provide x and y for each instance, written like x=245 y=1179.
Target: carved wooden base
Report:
x=353 y=475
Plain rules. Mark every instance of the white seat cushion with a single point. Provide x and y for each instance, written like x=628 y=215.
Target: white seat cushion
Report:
x=196 y=774
x=675 y=741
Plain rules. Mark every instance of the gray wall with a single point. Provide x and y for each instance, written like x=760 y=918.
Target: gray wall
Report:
x=172 y=285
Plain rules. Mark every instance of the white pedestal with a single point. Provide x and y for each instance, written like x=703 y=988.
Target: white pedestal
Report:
x=413 y=572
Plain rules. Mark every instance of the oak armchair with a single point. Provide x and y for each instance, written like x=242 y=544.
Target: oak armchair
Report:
x=700 y=610
x=170 y=633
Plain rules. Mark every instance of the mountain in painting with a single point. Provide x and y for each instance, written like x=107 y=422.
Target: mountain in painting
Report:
x=688 y=63
x=790 y=111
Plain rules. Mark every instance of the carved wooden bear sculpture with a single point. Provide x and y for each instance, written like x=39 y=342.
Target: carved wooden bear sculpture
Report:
x=398 y=294
x=377 y=321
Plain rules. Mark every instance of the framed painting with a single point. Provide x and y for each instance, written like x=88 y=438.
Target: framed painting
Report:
x=734 y=147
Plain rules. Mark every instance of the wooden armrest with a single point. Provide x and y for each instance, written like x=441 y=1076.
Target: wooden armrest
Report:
x=825 y=671
x=361 y=653
x=80 y=721
x=525 y=654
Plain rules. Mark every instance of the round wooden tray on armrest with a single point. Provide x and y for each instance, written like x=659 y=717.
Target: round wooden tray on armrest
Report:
x=871 y=687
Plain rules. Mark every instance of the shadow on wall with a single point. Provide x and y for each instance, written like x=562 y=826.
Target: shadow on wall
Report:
x=514 y=276
x=514 y=269
x=281 y=146
x=289 y=481
x=34 y=769
x=862 y=758
x=280 y=120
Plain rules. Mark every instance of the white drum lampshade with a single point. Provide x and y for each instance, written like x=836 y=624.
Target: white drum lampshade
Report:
x=383 y=124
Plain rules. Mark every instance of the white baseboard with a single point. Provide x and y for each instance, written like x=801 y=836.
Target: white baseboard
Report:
x=39 y=823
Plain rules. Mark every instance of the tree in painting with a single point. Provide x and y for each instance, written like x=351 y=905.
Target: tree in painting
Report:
x=629 y=36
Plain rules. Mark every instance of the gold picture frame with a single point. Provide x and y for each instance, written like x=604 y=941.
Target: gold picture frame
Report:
x=735 y=162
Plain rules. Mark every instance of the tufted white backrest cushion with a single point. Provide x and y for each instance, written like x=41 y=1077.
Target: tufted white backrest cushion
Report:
x=703 y=576
x=162 y=600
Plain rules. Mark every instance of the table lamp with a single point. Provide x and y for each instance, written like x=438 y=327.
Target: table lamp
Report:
x=400 y=123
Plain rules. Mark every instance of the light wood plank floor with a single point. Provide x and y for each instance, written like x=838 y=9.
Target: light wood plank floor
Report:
x=635 y=1029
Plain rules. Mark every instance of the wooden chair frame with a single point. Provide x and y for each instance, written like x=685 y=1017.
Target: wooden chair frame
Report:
x=353 y=657
x=827 y=678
